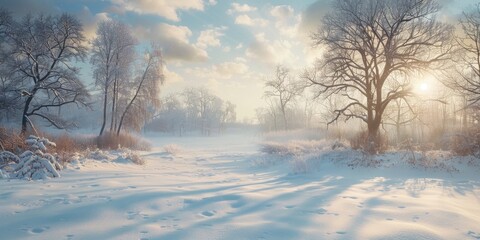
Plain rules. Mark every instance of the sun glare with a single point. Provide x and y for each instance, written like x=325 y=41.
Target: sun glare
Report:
x=423 y=87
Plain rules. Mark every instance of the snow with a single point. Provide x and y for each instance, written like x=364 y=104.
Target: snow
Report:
x=227 y=188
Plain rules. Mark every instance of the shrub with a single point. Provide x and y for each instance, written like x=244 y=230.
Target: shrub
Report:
x=11 y=141
x=467 y=142
x=361 y=142
x=172 y=149
x=112 y=141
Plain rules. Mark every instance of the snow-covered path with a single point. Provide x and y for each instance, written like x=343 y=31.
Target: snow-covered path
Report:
x=210 y=190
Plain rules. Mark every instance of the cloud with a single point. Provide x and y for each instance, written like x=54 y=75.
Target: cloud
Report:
x=225 y=70
x=240 y=8
x=212 y=2
x=282 y=12
x=90 y=21
x=165 y=8
x=312 y=18
x=171 y=77
x=24 y=7
x=270 y=52
x=286 y=21
x=210 y=37
x=174 y=40
x=248 y=21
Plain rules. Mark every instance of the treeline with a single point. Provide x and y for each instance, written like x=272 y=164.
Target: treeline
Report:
x=193 y=110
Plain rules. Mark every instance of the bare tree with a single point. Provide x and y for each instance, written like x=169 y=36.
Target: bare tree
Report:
x=40 y=55
x=284 y=90
x=371 y=47
x=466 y=78
x=146 y=86
x=112 y=57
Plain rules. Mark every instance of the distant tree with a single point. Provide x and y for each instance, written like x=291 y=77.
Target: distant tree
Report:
x=371 y=46
x=283 y=89
x=39 y=66
x=9 y=94
x=145 y=86
x=466 y=75
x=112 y=58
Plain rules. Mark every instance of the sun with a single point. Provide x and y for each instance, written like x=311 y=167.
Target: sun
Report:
x=423 y=87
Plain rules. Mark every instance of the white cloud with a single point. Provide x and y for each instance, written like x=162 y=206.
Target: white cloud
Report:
x=174 y=41
x=226 y=49
x=286 y=22
x=210 y=37
x=90 y=21
x=225 y=70
x=165 y=8
x=240 y=45
x=240 y=8
x=270 y=52
x=248 y=21
x=212 y=2
x=282 y=12
x=171 y=77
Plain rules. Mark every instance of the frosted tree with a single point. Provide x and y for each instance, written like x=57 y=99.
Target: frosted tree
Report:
x=283 y=90
x=145 y=86
x=373 y=45
x=112 y=58
x=40 y=55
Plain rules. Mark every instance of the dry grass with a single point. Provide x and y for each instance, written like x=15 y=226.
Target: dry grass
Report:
x=172 y=149
x=361 y=142
x=67 y=145
x=112 y=141
x=11 y=141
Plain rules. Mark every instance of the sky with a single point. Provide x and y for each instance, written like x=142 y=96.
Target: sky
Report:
x=229 y=47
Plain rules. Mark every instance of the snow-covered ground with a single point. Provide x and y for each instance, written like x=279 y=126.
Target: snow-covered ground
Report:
x=215 y=188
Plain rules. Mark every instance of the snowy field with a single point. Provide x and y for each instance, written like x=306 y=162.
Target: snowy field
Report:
x=225 y=188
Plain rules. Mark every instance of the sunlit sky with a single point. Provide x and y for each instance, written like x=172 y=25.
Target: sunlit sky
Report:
x=230 y=47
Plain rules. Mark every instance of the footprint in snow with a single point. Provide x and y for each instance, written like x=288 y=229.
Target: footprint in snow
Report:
x=38 y=230
x=208 y=213
x=474 y=234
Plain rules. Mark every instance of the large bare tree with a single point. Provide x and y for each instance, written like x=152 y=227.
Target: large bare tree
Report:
x=41 y=51
x=370 y=48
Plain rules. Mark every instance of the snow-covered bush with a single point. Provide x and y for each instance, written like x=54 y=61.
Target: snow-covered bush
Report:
x=97 y=155
x=34 y=163
x=36 y=143
x=129 y=156
x=7 y=157
x=172 y=149
x=3 y=174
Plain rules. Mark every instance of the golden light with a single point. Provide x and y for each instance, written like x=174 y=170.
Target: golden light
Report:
x=423 y=87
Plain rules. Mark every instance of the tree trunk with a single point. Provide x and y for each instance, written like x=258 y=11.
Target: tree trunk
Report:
x=133 y=99
x=24 y=115
x=114 y=102
x=104 y=110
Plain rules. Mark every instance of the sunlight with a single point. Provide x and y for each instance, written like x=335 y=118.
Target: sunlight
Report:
x=424 y=87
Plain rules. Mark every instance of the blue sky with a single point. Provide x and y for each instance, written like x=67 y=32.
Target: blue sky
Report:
x=230 y=47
